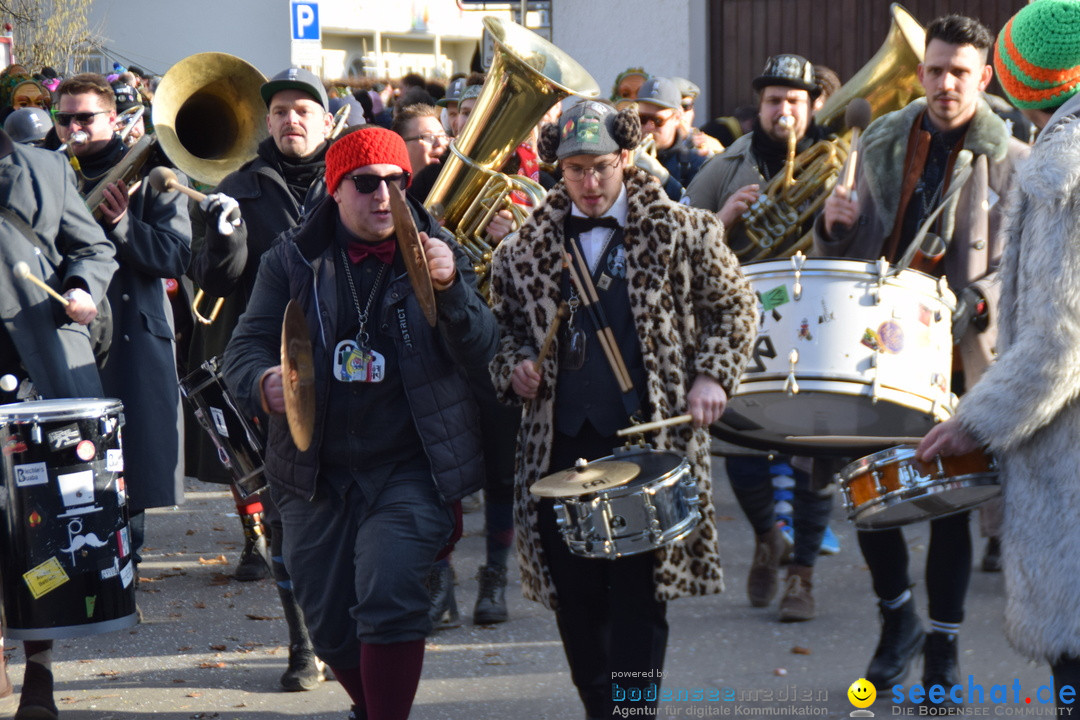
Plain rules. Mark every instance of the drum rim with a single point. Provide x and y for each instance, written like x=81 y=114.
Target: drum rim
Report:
x=814 y=263
x=694 y=518
x=868 y=463
x=73 y=409
x=892 y=499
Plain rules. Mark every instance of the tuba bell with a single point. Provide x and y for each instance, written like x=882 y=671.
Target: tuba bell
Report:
x=777 y=223
x=528 y=75
x=209 y=116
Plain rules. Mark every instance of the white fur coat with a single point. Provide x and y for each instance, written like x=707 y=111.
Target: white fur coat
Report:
x=1026 y=407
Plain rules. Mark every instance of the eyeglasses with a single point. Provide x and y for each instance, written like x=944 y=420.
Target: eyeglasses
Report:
x=64 y=119
x=367 y=184
x=576 y=173
x=658 y=120
x=429 y=138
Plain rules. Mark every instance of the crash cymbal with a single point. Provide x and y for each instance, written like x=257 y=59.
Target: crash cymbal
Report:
x=586 y=478
x=412 y=252
x=298 y=376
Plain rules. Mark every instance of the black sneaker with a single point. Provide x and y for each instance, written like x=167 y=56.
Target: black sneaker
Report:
x=305 y=670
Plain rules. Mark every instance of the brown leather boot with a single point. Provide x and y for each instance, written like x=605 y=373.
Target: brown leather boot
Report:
x=763 y=579
x=797 y=604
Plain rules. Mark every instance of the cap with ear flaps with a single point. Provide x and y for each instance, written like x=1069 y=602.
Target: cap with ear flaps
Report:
x=590 y=128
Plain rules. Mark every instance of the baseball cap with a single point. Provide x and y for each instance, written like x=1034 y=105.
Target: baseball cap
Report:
x=453 y=92
x=296 y=79
x=586 y=129
x=660 y=91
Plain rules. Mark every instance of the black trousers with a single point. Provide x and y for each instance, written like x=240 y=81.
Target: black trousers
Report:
x=613 y=629
x=948 y=565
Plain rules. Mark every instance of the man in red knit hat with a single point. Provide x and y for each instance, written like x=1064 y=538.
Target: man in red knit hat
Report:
x=368 y=506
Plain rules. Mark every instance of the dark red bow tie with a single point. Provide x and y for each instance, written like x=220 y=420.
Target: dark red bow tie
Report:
x=360 y=251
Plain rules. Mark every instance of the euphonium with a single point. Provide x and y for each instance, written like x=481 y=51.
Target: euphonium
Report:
x=528 y=75
x=778 y=224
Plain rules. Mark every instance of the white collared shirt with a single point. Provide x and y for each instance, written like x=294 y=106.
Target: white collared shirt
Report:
x=594 y=241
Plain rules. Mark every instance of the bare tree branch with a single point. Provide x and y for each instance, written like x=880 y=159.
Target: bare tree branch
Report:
x=50 y=32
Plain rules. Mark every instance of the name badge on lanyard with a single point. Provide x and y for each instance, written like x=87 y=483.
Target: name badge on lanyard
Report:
x=353 y=363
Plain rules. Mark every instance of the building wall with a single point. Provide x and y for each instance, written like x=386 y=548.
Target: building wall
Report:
x=156 y=35
x=667 y=37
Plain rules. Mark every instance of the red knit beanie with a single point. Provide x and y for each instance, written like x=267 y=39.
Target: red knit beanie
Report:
x=367 y=146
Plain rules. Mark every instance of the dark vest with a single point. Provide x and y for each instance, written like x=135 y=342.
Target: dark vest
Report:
x=592 y=392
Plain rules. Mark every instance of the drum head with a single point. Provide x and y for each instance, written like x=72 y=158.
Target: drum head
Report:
x=928 y=503
x=764 y=421
x=64 y=409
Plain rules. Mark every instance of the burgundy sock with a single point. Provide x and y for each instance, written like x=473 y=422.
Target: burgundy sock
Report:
x=391 y=674
x=351 y=680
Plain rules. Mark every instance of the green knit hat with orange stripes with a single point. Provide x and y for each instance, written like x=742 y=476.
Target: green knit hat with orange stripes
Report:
x=1038 y=54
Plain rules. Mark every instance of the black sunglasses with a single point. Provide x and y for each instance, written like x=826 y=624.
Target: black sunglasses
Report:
x=367 y=184
x=64 y=119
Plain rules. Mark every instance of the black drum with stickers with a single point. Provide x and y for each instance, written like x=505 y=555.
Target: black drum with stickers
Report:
x=239 y=442
x=65 y=551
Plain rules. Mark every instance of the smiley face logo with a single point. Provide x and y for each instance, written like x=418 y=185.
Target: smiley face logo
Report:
x=862 y=693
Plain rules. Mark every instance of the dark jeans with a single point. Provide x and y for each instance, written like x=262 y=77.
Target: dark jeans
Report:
x=610 y=622
x=948 y=565
x=751 y=482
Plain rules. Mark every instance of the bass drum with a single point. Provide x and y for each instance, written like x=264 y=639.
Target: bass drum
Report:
x=66 y=548
x=845 y=347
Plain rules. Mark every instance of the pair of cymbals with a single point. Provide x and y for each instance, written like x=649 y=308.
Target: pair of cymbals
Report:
x=586 y=477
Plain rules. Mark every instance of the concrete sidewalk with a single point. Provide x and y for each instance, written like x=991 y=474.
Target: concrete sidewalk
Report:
x=210 y=647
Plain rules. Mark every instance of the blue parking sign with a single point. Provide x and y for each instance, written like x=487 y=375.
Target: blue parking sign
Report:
x=305 y=21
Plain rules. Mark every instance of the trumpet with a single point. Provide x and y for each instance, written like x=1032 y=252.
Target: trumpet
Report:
x=128 y=170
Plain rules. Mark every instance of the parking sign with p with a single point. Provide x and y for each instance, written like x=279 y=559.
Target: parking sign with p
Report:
x=305 y=21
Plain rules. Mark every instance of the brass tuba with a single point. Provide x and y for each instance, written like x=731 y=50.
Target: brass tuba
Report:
x=528 y=75
x=778 y=222
x=209 y=116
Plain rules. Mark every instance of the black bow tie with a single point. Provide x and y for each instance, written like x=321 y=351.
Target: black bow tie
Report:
x=579 y=225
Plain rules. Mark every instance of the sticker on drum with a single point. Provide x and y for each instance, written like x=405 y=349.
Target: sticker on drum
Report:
x=892 y=488
x=845 y=347
x=66 y=520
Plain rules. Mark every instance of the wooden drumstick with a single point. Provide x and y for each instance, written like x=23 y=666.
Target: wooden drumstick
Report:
x=650 y=426
x=829 y=440
x=560 y=314
x=164 y=180
x=22 y=271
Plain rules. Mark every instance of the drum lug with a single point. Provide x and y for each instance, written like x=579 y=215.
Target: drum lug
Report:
x=35 y=434
x=791 y=387
x=875 y=388
x=797 y=261
x=878 y=487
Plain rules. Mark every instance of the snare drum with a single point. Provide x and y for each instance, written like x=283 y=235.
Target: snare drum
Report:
x=66 y=548
x=239 y=442
x=657 y=507
x=843 y=348
x=891 y=488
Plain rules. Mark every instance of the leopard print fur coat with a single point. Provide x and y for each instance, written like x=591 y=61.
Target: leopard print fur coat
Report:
x=694 y=312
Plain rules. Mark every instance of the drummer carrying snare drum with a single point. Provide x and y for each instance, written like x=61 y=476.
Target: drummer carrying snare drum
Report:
x=947 y=149
x=657 y=269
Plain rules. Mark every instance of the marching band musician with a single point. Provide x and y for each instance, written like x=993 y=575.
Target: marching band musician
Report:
x=272 y=193
x=910 y=163
x=683 y=317
x=152 y=234
x=1023 y=409
x=395 y=437
x=43 y=350
x=677 y=161
x=727 y=185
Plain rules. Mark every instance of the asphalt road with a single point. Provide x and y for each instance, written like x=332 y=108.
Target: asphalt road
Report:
x=210 y=647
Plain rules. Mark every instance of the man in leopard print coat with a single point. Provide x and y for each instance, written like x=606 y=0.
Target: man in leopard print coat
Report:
x=683 y=318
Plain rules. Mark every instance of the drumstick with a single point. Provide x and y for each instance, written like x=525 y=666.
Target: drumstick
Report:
x=607 y=339
x=22 y=271
x=853 y=440
x=562 y=311
x=857 y=118
x=164 y=180
x=650 y=426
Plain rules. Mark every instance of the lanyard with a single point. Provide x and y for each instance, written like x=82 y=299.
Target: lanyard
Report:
x=363 y=339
